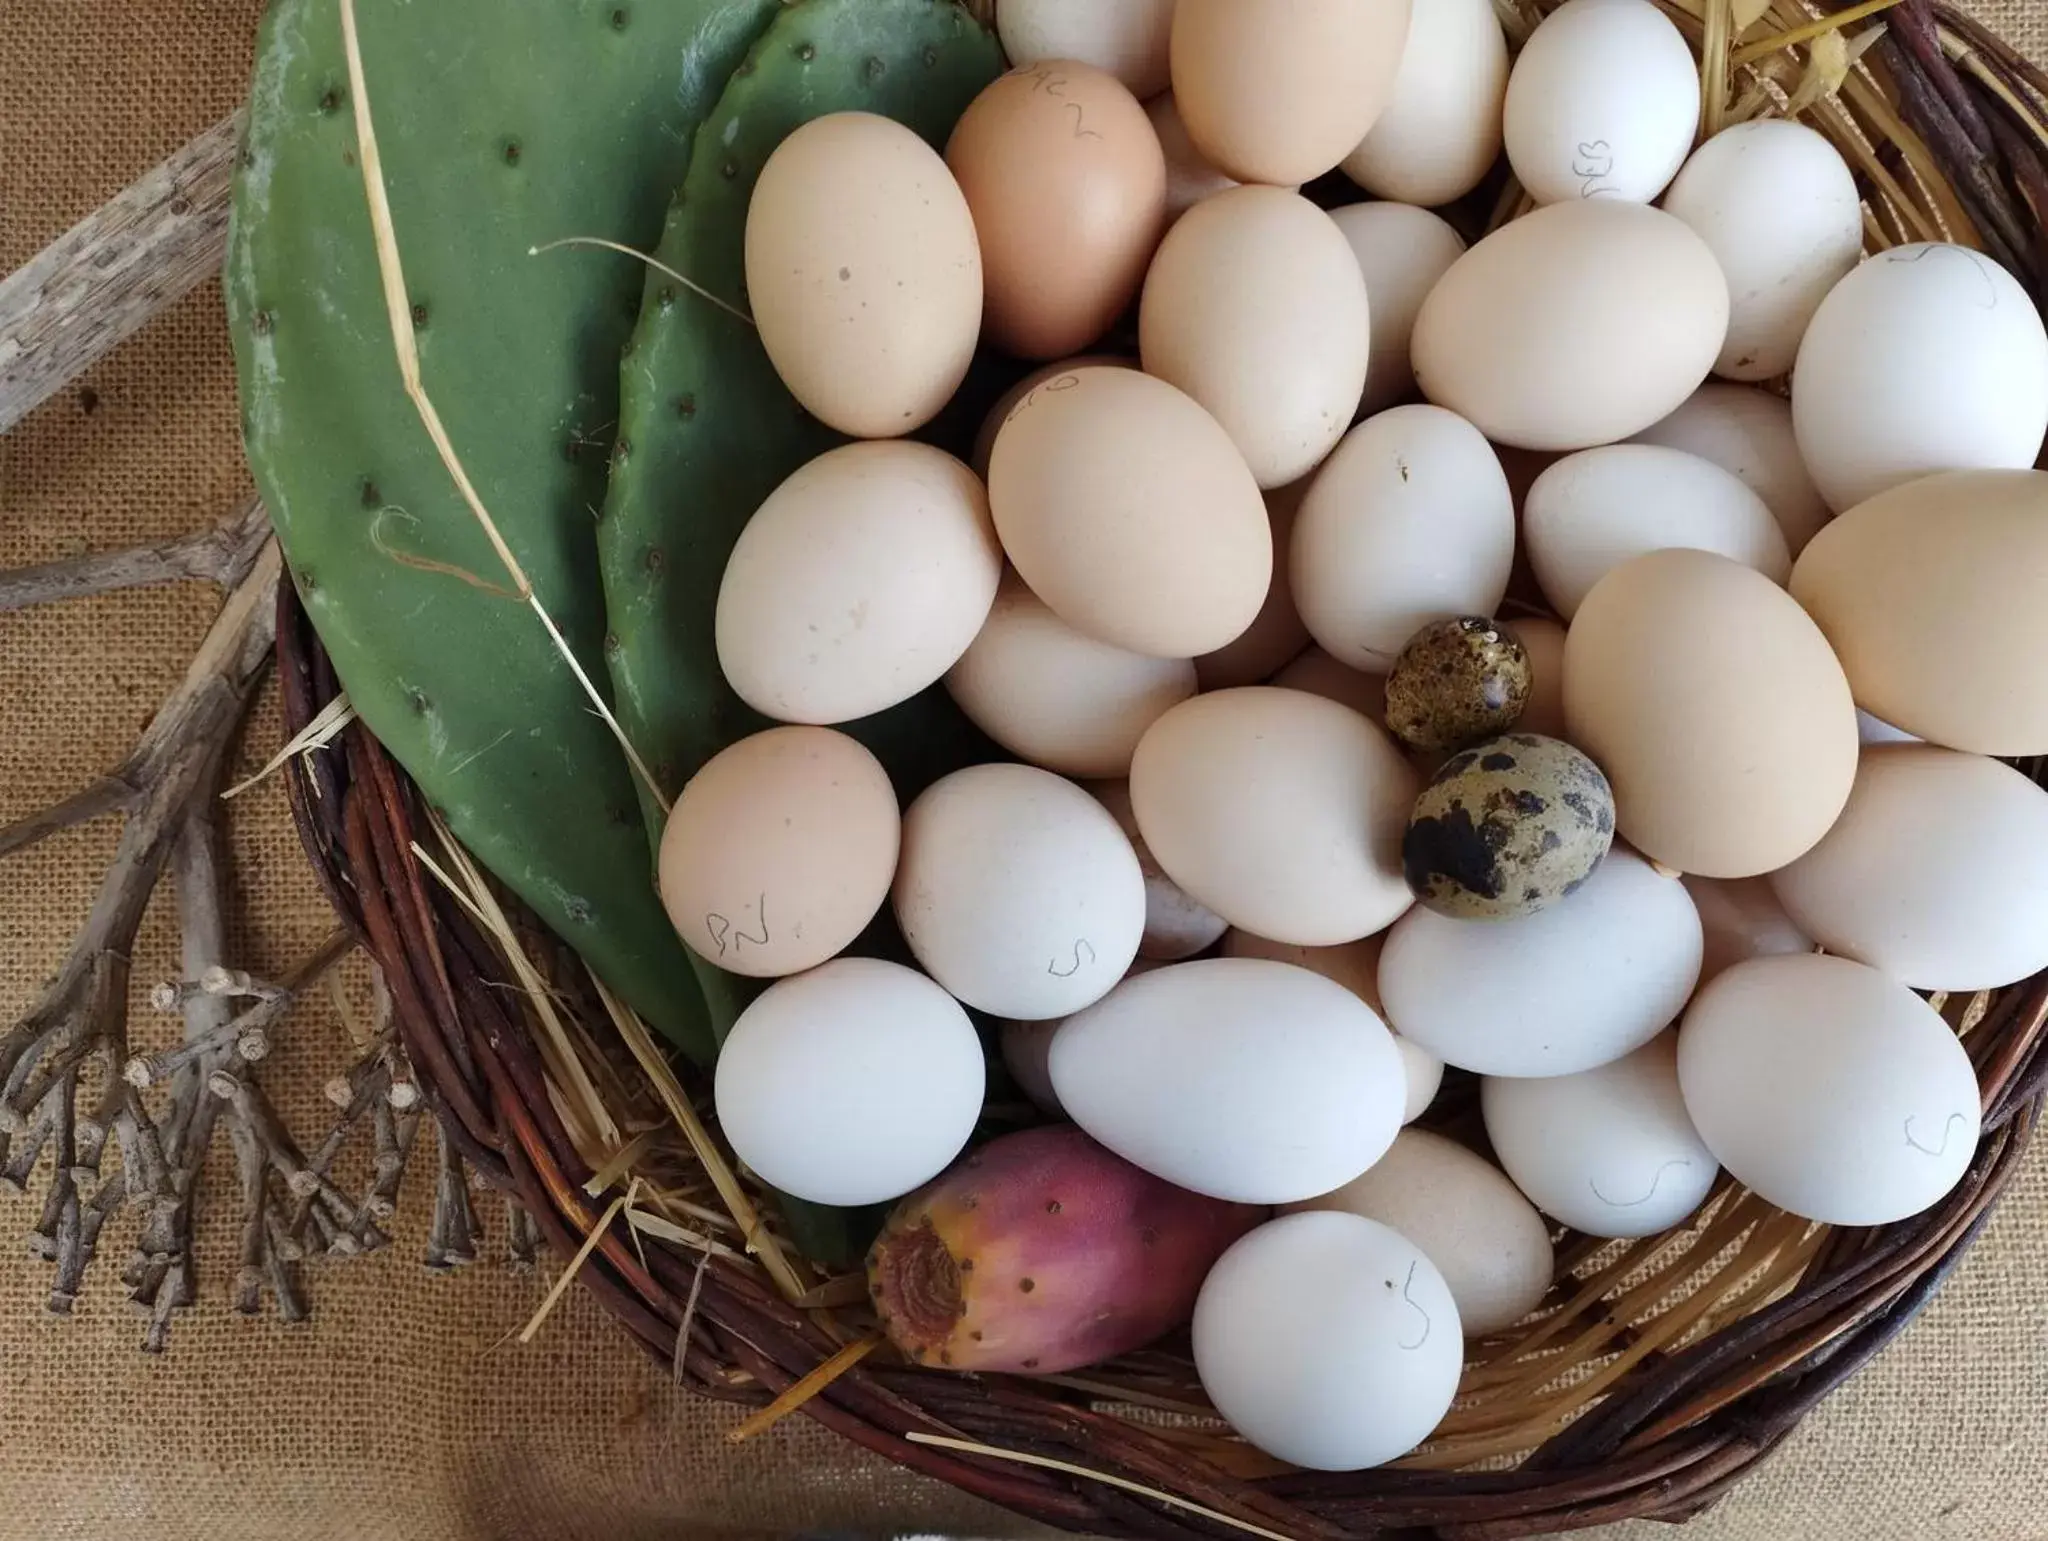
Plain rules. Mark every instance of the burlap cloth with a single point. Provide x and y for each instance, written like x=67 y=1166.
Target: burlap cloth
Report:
x=404 y=1408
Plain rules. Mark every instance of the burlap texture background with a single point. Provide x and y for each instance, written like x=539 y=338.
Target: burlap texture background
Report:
x=402 y=1409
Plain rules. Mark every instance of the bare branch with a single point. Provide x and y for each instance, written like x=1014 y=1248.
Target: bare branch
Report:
x=223 y=555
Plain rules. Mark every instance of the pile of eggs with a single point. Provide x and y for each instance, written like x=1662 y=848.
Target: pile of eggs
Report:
x=1306 y=806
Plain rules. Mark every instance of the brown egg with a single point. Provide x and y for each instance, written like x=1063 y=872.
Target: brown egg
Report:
x=1457 y=682
x=1717 y=710
x=1280 y=91
x=780 y=851
x=1067 y=183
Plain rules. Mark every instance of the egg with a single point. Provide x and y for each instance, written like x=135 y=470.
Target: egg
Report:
x=1067 y=185
x=1717 y=710
x=1276 y=635
x=1402 y=251
x=1490 y=1245
x=1176 y=926
x=1128 y=38
x=985 y=436
x=1328 y=1340
x=859 y=582
x=1058 y=699
x=1017 y=892
x=1779 y=207
x=1457 y=682
x=1440 y=132
x=1280 y=91
x=1189 y=178
x=1748 y=433
x=1742 y=919
x=1127 y=509
x=1875 y=730
x=1593 y=511
x=780 y=851
x=1542 y=642
x=1355 y=966
x=1603 y=103
x=1932 y=873
x=1255 y=307
x=850 y=1084
x=1409 y=521
x=1316 y=673
x=1234 y=1077
x=863 y=274
x=1930 y=595
x=1576 y=326
x=1927 y=358
x=1507 y=828
x=1610 y=1151
x=1828 y=1089
x=1280 y=811
x=1027 y=1052
x=1567 y=988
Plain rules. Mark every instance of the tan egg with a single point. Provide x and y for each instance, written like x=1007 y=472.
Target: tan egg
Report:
x=985 y=436
x=1742 y=919
x=1931 y=595
x=1316 y=673
x=1716 y=709
x=1932 y=873
x=863 y=274
x=780 y=851
x=1280 y=91
x=1543 y=640
x=1067 y=184
x=1055 y=698
x=859 y=582
x=1176 y=926
x=1574 y=327
x=1277 y=636
x=1441 y=132
x=1255 y=307
x=1280 y=811
x=1189 y=178
x=1488 y=1242
x=1128 y=510
x=1402 y=253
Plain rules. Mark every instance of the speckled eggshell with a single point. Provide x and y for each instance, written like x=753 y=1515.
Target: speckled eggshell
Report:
x=1507 y=828
x=1457 y=682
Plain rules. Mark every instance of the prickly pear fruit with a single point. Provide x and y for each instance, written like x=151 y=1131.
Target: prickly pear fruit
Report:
x=502 y=127
x=1042 y=1252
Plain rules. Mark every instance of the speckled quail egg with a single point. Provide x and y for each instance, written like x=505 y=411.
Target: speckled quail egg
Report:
x=1508 y=827
x=1455 y=683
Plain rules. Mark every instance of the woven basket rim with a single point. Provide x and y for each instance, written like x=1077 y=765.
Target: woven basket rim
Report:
x=1663 y=1441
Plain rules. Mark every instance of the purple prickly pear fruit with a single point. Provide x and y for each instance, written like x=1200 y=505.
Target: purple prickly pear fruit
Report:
x=1042 y=1252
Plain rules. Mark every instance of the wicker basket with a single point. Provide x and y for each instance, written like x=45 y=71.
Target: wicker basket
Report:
x=1657 y=1372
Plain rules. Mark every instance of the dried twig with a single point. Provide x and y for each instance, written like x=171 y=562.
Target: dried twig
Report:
x=223 y=555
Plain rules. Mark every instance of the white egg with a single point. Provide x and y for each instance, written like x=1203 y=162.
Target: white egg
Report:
x=1572 y=986
x=1402 y=251
x=1932 y=873
x=1355 y=966
x=1779 y=207
x=859 y=582
x=1280 y=811
x=1128 y=38
x=1742 y=919
x=1409 y=521
x=1027 y=1047
x=1610 y=1151
x=1872 y=731
x=1189 y=178
x=1597 y=509
x=1926 y=358
x=851 y=1084
x=1439 y=133
x=1492 y=1248
x=1056 y=698
x=1017 y=892
x=1328 y=1340
x=1235 y=1077
x=1603 y=102
x=1176 y=925
x=1748 y=432
x=1828 y=1089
